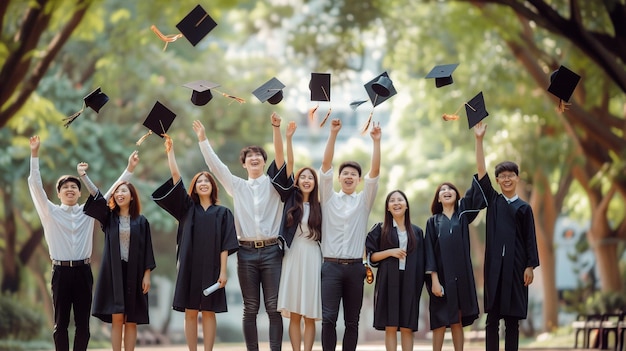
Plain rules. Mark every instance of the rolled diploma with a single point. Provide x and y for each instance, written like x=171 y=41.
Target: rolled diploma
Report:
x=211 y=289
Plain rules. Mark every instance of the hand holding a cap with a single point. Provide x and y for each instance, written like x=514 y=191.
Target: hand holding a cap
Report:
x=199 y=129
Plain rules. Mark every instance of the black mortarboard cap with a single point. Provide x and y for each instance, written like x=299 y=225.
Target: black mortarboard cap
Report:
x=201 y=91
x=563 y=82
x=271 y=91
x=380 y=89
x=159 y=119
x=196 y=25
x=94 y=100
x=320 y=86
x=442 y=74
x=476 y=110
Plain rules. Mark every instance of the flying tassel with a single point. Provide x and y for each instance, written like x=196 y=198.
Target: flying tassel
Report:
x=367 y=125
x=238 y=99
x=326 y=118
x=70 y=119
x=168 y=143
x=166 y=38
x=454 y=116
x=355 y=104
x=562 y=106
x=143 y=138
x=312 y=112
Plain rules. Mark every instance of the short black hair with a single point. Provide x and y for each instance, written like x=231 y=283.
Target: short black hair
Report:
x=67 y=178
x=252 y=148
x=351 y=164
x=507 y=166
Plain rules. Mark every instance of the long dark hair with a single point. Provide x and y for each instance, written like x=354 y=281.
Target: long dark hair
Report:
x=388 y=224
x=436 y=206
x=134 y=208
x=294 y=214
x=192 y=188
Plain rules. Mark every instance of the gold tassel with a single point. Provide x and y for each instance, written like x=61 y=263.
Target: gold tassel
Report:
x=446 y=117
x=70 y=119
x=143 y=138
x=238 y=99
x=312 y=113
x=326 y=118
x=166 y=38
x=562 y=106
x=367 y=125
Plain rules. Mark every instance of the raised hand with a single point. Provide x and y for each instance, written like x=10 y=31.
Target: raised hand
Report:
x=275 y=119
x=34 y=145
x=479 y=129
x=133 y=161
x=199 y=129
x=376 y=132
x=168 y=143
x=335 y=125
x=81 y=168
x=291 y=129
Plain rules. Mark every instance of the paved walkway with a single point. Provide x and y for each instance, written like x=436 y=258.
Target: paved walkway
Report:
x=318 y=347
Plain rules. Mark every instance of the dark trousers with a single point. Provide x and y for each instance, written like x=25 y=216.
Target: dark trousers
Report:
x=341 y=283
x=260 y=268
x=511 y=325
x=71 y=288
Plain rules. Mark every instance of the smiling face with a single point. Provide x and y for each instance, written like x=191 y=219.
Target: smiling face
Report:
x=508 y=183
x=397 y=205
x=203 y=186
x=123 y=196
x=349 y=179
x=254 y=163
x=306 y=181
x=69 y=193
x=447 y=195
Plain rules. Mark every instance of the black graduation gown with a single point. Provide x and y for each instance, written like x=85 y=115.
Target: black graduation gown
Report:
x=394 y=306
x=110 y=297
x=286 y=189
x=448 y=253
x=202 y=236
x=510 y=229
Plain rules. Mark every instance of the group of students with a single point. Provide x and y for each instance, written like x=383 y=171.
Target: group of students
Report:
x=299 y=241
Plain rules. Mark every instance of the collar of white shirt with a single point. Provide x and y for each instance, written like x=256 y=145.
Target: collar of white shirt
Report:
x=342 y=194
x=68 y=208
x=256 y=181
x=511 y=199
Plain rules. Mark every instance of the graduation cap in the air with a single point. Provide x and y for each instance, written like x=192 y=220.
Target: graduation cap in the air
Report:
x=319 y=86
x=271 y=91
x=442 y=74
x=158 y=121
x=94 y=100
x=194 y=26
x=475 y=109
x=201 y=94
x=379 y=90
x=563 y=81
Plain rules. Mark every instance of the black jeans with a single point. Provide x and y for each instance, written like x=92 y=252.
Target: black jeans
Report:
x=341 y=283
x=258 y=268
x=71 y=287
x=511 y=325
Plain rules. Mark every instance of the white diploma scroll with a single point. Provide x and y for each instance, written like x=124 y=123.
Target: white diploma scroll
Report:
x=211 y=289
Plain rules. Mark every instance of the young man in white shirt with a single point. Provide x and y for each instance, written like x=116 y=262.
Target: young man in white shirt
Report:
x=69 y=234
x=344 y=229
x=258 y=213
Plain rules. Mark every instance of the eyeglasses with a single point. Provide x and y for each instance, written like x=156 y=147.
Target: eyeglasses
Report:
x=506 y=176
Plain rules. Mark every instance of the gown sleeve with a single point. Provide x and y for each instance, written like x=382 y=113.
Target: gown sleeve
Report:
x=283 y=184
x=372 y=242
x=430 y=239
x=172 y=198
x=97 y=207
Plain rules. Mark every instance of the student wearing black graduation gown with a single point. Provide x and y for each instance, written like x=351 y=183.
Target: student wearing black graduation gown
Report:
x=121 y=294
x=452 y=289
x=206 y=237
x=396 y=247
x=510 y=252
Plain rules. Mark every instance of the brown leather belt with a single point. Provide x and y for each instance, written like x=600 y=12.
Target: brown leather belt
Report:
x=258 y=244
x=343 y=260
x=71 y=263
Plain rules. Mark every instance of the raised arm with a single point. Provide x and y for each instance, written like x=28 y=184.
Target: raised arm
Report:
x=375 y=134
x=216 y=166
x=133 y=161
x=479 y=133
x=81 y=169
x=279 y=158
x=329 y=152
x=171 y=159
x=291 y=129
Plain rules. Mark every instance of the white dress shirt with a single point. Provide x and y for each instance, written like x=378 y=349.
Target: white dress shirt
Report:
x=403 y=241
x=344 y=224
x=258 y=208
x=67 y=229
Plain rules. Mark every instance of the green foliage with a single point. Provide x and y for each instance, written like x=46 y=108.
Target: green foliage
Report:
x=17 y=321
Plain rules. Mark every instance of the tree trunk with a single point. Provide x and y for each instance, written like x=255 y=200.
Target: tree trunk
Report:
x=10 y=276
